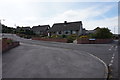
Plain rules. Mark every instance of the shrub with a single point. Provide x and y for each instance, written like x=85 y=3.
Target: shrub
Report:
x=71 y=38
x=9 y=41
x=84 y=36
x=64 y=36
x=103 y=33
x=27 y=36
x=54 y=36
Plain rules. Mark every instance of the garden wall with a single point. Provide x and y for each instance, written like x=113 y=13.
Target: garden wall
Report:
x=51 y=39
x=97 y=41
x=6 y=46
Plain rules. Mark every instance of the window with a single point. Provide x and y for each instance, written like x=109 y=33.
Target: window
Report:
x=67 y=32
x=59 y=32
x=64 y=24
x=74 y=32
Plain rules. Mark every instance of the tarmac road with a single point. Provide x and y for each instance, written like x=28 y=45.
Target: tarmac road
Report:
x=35 y=61
x=72 y=59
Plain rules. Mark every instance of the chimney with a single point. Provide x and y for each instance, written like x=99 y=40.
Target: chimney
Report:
x=65 y=22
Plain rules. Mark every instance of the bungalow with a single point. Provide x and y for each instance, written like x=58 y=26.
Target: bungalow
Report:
x=87 y=32
x=23 y=28
x=66 y=28
x=41 y=29
x=90 y=32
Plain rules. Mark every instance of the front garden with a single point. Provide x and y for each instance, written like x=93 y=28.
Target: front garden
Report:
x=101 y=36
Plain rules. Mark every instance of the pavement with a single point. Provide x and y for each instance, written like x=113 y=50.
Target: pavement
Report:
x=42 y=59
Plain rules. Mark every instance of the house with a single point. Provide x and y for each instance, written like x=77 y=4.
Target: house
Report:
x=23 y=28
x=26 y=28
x=90 y=32
x=66 y=28
x=86 y=32
x=41 y=29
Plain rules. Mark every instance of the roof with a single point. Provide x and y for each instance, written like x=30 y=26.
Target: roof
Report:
x=24 y=28
x=40 y=28
x=66 y=26
x=90 y=31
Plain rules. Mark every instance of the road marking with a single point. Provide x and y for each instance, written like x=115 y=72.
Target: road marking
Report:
x=106 y=68
x=116 y=47
x=110 y=48
x=112 y=61
x=110 y=64
x=112 y=57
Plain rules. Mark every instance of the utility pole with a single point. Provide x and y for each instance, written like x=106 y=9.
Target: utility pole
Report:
x=1 y=26
x=114 y=29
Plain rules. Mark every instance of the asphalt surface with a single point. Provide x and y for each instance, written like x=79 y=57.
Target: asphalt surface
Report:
x=52 y=59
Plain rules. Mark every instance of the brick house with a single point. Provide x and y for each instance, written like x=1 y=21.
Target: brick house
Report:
x=66 y=28
x=41 y=29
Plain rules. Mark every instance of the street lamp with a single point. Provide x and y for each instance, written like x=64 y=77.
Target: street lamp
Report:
x=1 y=25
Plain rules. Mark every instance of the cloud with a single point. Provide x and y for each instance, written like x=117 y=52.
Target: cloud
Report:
x=84 y=14
x=24 y=14
x=18 y=1
x=111 y=23
x=87 y=16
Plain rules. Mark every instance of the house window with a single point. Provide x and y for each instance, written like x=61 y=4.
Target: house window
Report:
x=67 y=32
x=59 y=32
x=73 y=32
x=64 y=24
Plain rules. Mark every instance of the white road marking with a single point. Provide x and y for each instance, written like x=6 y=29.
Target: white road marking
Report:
x=106 y=68
x=110 y=64
x=112 y=57
x=112 y=61
x=110 y=48
x=116 y=47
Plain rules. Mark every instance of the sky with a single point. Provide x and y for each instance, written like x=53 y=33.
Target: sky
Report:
x=93 y=14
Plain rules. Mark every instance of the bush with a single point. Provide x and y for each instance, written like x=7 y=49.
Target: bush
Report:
x=85 y=36
x=57 y=36
x=64 y=36
x=92 y=35
x=9 y=41
x=54 y=36
x=71 y=38
x=27 y=36
x=103 y=33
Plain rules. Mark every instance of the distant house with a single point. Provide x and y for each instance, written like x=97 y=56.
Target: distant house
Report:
x=86 y=32
x=41 y=29
x=26 y=28
x=23 y=28
x=90 y=31
x=66 y=28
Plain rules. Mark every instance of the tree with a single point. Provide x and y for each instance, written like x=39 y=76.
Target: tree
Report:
x=103 y=33
x=6 y=29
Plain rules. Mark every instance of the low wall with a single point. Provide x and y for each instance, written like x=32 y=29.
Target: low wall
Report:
x=6 y=46
x=51 y=39
x=97 y=41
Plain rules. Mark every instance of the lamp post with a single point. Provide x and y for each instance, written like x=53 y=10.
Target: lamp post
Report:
x=1 y=26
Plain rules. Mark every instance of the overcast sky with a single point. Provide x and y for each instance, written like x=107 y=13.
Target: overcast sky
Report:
x=37 y=12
